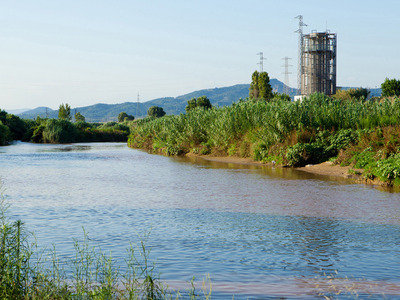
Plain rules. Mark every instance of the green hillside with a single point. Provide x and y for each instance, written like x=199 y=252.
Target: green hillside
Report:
x=109 y=112
x=172 y=106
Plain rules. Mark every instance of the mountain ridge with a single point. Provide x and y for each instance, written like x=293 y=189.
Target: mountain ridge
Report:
x=103 y=112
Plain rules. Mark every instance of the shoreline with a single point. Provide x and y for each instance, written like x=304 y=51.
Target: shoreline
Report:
x=322 y=169
x=325 y=169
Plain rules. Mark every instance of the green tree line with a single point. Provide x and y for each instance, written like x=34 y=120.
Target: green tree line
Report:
x=61 y=130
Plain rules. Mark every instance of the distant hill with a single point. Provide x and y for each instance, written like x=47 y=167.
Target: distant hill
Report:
x=172 y=106
x=16 y=111
x=109 y=112
x=374 y=92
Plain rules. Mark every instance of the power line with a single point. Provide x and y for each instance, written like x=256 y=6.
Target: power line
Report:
x=300 y=54
x=137 y=106
x=286 y=65
x=261 y=63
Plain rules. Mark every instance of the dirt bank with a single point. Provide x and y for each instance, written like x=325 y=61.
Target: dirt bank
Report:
x=325 y=168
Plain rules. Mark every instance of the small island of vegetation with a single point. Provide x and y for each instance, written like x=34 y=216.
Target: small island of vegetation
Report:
x=62 y=130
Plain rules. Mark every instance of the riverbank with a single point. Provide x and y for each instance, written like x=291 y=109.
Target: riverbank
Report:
x=325 y=169
x=363 y=135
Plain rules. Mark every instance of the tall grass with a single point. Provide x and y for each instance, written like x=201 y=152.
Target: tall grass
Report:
x=293 y=133
x=267 y=122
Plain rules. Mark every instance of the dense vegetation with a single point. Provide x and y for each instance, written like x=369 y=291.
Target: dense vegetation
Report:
x=202 y=102
x=60 y=130
x=156 y=112
x=391 y=87
x=364 y=134
x=63 y=131
x=11 y=128
x=260 y=88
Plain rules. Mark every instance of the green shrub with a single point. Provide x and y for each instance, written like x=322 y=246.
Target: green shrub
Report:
x=364 y=159
x=388 y=169
x=5 y=134
x=81 y=125
x=59 y=131
x=341 y=140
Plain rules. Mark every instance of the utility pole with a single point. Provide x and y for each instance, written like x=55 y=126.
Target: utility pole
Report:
x=300 y=54
x=261 y=63
x=137 y=106
x=286 y=65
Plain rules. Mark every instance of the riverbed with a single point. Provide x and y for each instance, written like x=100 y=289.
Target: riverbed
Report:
x=259 y=232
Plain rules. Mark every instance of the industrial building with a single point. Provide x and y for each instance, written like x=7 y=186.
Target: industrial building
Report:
x=318 y=63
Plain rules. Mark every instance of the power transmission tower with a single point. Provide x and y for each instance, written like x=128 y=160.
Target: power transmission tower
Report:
x=300 y=54
x=261 y=63
x=137 y=106
x=286 y=65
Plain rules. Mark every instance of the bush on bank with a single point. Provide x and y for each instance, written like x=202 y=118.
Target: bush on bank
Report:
x=291 y=133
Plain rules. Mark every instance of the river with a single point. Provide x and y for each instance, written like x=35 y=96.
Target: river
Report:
x=259 y=232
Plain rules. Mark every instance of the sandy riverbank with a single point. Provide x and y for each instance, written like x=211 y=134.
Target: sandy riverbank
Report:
x=325 y=168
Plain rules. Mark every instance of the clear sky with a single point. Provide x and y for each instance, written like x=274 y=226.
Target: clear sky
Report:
x=83 y=52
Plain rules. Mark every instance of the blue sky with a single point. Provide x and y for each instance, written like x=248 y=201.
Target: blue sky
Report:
x=96 y=51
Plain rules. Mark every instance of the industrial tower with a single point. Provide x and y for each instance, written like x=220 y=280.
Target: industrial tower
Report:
x=318 y=73
x=317 y=62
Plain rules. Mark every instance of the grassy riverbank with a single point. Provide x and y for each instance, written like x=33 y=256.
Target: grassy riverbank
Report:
x=362 y=134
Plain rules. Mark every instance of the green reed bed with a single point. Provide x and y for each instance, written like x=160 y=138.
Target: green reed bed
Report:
x=292 y=133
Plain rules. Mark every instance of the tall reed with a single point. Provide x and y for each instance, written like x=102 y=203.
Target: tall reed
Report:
x=268 y=122
x=292 y=133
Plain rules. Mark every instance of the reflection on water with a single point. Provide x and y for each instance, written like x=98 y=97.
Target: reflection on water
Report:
x=256 y=230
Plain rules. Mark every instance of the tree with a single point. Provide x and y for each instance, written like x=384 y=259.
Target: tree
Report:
x=15 y=124
x=64 y=112
x=79 y=117
x=253 y=93
x=260 y=88
x=360 y=93
x=352 y=94
x=264 y=87
x=156 y=112
x=18 y=126
x=202 y=102
x=5 y=134
x=390 y=87
x=123 y=116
